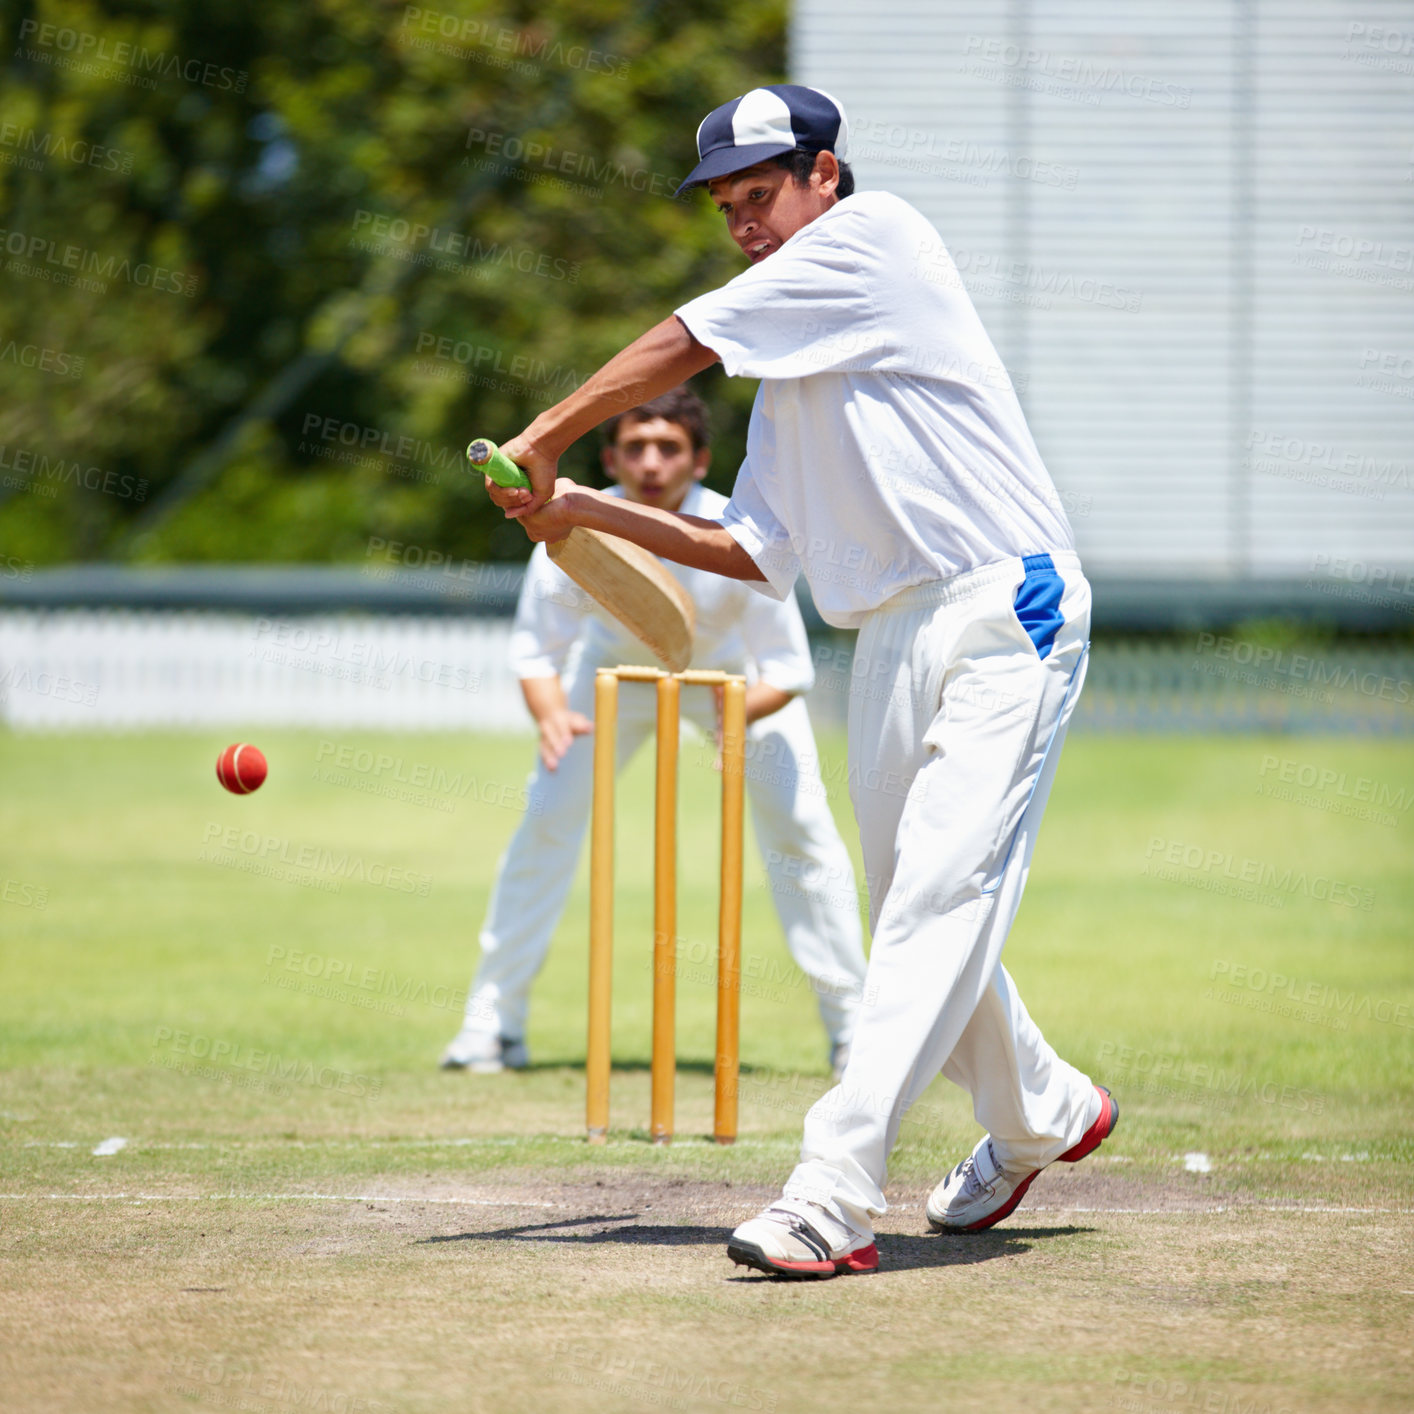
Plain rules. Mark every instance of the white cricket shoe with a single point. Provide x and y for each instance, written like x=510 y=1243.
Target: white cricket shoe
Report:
x=979 y=1192
x=797 y=1239
x=484 y=1053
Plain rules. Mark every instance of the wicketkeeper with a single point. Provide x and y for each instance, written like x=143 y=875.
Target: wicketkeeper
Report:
x=658 y=455
x=888 y=460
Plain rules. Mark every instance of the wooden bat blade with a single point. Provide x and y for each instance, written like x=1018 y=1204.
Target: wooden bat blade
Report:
x=633 y=586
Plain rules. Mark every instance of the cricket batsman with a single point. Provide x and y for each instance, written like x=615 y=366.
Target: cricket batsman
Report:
x=658 y=455
x=888 y=461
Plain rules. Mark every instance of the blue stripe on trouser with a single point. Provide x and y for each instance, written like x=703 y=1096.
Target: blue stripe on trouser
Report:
x=1037 y=601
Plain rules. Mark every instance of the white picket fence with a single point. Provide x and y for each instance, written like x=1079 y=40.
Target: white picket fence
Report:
x=101 y=669
x=115 y=669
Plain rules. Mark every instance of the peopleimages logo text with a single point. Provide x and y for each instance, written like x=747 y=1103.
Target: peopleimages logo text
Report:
x=80 y=45
x=49 y=257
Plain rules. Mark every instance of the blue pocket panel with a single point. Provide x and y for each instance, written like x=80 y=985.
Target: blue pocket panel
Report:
x=1038 y=602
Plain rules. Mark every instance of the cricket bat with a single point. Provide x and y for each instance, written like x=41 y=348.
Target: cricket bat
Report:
x=623 y=578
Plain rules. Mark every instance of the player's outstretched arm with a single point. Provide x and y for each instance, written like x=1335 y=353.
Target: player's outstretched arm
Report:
x=656 y=361
x=687 y=540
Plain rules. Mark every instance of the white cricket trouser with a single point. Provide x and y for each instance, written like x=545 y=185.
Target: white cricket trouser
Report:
x=807 y=863
x=956 y=723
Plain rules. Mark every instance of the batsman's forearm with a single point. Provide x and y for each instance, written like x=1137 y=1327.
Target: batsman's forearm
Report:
x=686 y=540
x=656 y=361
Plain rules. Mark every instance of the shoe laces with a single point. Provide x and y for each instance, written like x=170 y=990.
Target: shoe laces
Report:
x=818 y=1222
x=793 y=1221
x=973 y=1183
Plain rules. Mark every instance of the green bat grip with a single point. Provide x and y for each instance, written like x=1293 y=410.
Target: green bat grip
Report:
x=487 y=458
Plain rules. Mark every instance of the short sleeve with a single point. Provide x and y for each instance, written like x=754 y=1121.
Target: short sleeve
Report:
x=808 y=308
x=752 y=524
x=550 y=613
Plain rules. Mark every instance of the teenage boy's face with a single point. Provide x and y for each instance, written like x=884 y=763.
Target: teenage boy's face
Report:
x=653 y=460
x=765 y=207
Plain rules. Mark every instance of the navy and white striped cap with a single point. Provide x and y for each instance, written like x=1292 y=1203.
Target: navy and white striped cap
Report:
x=765 y=123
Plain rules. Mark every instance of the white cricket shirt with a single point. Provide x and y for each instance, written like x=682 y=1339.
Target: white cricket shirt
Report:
x=737 y=631
x=886 y=447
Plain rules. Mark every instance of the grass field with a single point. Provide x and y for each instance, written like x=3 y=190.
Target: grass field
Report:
x=308 y=1215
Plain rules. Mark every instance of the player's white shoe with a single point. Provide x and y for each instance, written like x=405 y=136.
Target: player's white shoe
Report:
x=484 y=1053
x=979 y=1192
x=798 y=1239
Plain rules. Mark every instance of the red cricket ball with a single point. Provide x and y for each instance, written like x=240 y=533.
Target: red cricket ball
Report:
x=241 y=768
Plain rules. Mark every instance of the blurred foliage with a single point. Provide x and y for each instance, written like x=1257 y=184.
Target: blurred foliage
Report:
x=265 y=269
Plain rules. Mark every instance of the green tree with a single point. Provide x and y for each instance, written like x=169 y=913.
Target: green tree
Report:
x=265 y=269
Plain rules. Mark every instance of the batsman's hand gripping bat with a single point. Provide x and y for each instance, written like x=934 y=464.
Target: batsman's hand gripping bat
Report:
x=623 y=578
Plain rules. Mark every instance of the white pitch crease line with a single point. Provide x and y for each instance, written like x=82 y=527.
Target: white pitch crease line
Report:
x=1203 y=1212
x=1278 y=1208
x=275 y=1197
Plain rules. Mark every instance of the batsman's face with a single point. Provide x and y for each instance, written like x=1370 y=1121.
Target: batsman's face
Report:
x=765 y=206
x=653 y=461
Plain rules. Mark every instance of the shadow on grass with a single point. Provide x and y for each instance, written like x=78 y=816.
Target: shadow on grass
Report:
x=897 y=1252
x=686 y=1065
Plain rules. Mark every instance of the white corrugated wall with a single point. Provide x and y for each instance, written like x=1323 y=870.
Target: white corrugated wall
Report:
x=1190 y=231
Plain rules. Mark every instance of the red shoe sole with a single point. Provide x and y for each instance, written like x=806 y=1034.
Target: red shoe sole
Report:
x=748 y=1254
x=1097 y=1133
x=1089 y=1141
